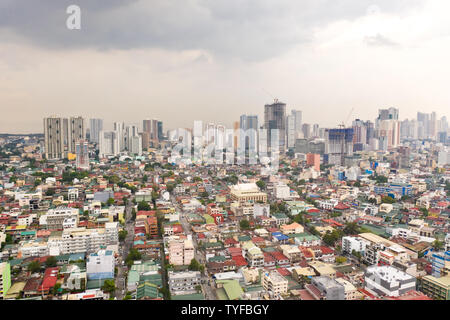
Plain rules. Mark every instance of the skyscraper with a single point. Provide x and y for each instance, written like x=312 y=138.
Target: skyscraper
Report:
x=95 y=126
x=388 y=128
x=338 y=145
x=275 y=119
x=249 y=133
x=109 y=144
x=54 y=138
x=82 y=153
x=61 y=134
x=77 y=131
x=293 y=128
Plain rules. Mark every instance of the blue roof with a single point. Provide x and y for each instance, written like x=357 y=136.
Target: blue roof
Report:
x=280 y=236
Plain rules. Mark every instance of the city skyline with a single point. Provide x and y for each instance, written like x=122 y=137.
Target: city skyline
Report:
x=331 y=57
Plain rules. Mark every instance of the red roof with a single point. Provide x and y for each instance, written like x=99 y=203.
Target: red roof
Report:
x=50 y=277
x=278 y=256
x=283 y=271
x=326 y=250
x=240 y=261
x=235 y=251
x=341 y=206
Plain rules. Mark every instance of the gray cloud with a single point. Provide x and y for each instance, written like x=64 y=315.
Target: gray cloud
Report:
x=245 y=29
x=380 y=41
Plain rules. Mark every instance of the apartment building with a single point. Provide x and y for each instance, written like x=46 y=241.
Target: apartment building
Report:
x=100 y=265
x=388 y=281
x=84 y=240
x=54 y=219
x=329 y=288
x=437 y=288
x=33 y=249
x=274 y=282
x=184 y=282
x=181 y=252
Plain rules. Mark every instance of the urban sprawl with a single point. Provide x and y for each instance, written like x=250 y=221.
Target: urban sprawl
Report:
x=355 y=212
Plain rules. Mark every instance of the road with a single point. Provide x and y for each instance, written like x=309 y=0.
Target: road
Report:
x=206 y=281
x=124 y=248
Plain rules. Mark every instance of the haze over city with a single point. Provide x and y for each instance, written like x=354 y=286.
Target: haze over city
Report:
x=210 y=60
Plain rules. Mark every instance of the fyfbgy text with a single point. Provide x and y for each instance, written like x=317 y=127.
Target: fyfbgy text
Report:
x=230 y=309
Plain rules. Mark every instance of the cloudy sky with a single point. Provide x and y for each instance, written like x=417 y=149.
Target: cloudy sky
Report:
x=213 y=60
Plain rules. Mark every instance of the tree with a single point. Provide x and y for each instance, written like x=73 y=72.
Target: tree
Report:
x=50 y=192
x=34 y=266
x=109 y=286
x=244 y=224
x=143 y=206
x=122 y=235
x=133 y=255
x=56 y=288
x=438 y=245
x=50 y=262
x=381 y=179
x=261 y=184
x=110 y=201
x=351 y=228
x=341 y=260
x=387 y=199
x=194 y=265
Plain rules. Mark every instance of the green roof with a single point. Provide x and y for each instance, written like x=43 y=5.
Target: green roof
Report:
x=233 y=289
x=217 y=259
x=148 y=290
x=244 y=238
x=194 y=296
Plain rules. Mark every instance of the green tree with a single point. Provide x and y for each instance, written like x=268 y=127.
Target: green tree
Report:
x=143 y=206
x=261 y=184
x=110 y=201
x=244 y=224
x=387 y=199
x=438 y=245
x=351 y=228
x=194 y=265
x=50 y=262
x=341 y=260
x=34 y=266
x=109 y=286
x=122 y=235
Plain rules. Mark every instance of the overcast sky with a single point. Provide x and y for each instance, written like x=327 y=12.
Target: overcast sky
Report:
x=213 y=60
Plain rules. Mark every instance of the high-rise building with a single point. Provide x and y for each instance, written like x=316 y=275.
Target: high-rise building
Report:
x=55 y=130
x=82 y=153
x=249 y=133
x=95 y=126
x=119 y=129
x=155 y=130
x=77 y=131
x=338 y=145
x=61 y=134
x=388 y=128
x=306 y=130
x=293 y=128
x=109 y=143
x=275 y=123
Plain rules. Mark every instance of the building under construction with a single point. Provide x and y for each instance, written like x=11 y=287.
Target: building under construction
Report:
x=338 y=145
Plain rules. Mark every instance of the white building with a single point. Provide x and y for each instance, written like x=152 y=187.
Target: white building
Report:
x=184 y=282
x=388 y=281
x=275 y=283
x=353 y=243
x=100 y=265
x=54 y=218
x=282 y=191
